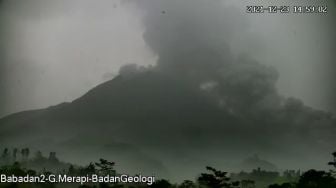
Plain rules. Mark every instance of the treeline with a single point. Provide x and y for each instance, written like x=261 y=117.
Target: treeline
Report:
x=211 y=178
x=263 y=178
x=36 y=161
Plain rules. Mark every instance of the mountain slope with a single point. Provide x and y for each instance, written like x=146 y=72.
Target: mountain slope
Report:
x=149 y=121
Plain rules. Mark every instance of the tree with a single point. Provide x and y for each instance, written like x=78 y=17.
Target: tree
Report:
x=316 y=179
x=25 y=153
x=247 y=184
x=14 y=169
x=333 y=163
x=5 y=153
x=216 y=179
x=38 y=156
x=15 y=150
x=71 y=170
x=284 y=185
x=161 y=184
x=105 y=167
x=187 y=184
x=88 y=170
x=5 y=158
x=52 y=157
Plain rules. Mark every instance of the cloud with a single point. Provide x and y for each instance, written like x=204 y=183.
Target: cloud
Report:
x=192 y=40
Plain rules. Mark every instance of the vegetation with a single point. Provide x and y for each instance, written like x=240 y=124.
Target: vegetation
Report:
x=19 y=163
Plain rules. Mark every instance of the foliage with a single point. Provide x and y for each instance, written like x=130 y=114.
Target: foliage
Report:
x=161 y=184
x=216 y=179
x=105 y=167
x=313 y=179
x=187 y=184
x=316 y=179
x=213 y=178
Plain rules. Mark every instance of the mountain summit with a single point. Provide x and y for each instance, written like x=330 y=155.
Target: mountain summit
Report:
x=150 y=121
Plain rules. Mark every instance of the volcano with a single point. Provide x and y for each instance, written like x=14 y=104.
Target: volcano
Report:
x=151 y=122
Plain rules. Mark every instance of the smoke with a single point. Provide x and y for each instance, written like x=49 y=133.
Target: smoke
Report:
x=201 y=37
x=193 y=41
x=45 y=39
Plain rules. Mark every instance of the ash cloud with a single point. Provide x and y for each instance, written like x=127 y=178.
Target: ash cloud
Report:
x=192 y=40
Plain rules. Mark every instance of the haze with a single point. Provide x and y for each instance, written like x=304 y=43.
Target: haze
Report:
x=205 y=72
x=71 y=46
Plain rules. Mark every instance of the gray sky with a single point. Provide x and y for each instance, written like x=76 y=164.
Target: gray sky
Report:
x=55 y=51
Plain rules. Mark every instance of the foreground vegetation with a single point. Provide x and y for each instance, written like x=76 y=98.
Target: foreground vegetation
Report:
x=19 y=163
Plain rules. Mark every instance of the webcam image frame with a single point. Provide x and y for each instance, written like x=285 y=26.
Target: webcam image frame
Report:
x=167 y=94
